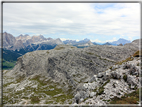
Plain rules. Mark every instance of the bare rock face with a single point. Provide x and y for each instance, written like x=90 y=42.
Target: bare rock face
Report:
x=119 y=83
x=18 y=45
x=136 y=43
x=8 y=40
x=28 y=43
x=69 y=64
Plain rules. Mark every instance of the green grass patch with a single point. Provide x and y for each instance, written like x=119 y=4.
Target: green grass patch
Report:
x=125 y=77
x=44 y=87
x=72 y=47
x=131 y=98
x=138 y=64
x=5 y=85
x=8 y=64
x=137 y=54
x=90 y=53
x=35 y=99
x=47 y=52
x=59 y=48
x=126 y=60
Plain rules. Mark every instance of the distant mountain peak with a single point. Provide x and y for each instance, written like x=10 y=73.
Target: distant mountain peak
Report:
x=26 y=35
x=107 y=43
x=121 y=41
x=86 y=39
x=4 y=32
x=21 y=35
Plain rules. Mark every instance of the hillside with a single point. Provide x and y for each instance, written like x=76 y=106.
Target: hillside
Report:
x=68 y=75
x=9 y=58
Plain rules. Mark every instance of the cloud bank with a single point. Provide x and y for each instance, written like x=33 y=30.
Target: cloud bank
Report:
x=97 y=21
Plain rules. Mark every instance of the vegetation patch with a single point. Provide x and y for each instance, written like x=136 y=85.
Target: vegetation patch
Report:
x=101 y=89
x=47 y=52
x=125 y=77
x=137 y=54
x=20 y=78
x=131 y=98
x=51 y=90
x=8 y=64
x=72 y=47
x=59 y=48
x=35 y=99
x=90 y=53
x=138 y=64
x=126 y=60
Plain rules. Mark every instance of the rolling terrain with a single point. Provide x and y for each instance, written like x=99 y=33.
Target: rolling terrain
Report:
x=68 y=75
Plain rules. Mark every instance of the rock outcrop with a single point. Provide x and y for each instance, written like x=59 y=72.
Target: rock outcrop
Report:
x=120 y=82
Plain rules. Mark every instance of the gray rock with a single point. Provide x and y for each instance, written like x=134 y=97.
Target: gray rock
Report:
x=131 y=80
x=100 y=75
x=92 y=94
x=106 y=77
x=81 y=100
x=133 y=71
x=115 y=75
x=93 y=79
x=77 y=98
x=127 y=66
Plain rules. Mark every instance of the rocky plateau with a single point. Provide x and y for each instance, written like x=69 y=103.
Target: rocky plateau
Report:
x=70 y=75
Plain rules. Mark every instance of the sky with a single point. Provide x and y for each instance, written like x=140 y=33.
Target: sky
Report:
x=99 y=22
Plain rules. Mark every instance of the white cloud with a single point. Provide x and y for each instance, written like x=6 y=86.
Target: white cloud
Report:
x=72 y=18
x=130 y=38
x=77 y=40
x=63 y=39
x=114 y=39
x=121 y=36
x=96 y=40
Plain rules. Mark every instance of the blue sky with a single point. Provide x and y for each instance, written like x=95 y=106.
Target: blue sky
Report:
x=99 y=22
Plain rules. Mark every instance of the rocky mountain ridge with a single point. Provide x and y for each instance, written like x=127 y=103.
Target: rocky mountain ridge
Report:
x=68 y=75
x=39 y=42
x=26 y=42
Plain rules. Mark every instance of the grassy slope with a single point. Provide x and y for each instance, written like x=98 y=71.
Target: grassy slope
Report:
x=8 y=65
x=131 y=98
x=10 y=58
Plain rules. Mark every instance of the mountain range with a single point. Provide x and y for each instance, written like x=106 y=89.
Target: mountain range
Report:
x=28 y=43
x=17 y=46
x=39 y=42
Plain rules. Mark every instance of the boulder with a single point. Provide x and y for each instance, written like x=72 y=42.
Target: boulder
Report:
x=132 y=80
x=106 y=77
x=92 y=94
x=127 y=66
x=115 y=75
x=93 y=78
x=133 y=71
x=101 y=74
x=77 y=98
x=81 y=100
